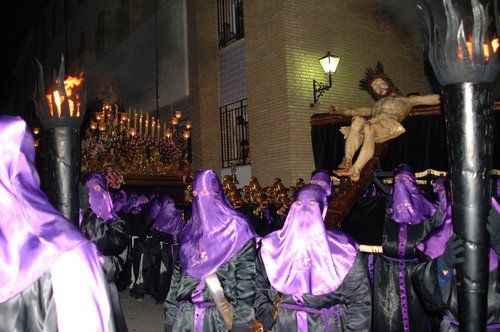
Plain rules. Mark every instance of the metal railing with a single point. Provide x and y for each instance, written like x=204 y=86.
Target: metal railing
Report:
x=230 y=21
x=235 y=147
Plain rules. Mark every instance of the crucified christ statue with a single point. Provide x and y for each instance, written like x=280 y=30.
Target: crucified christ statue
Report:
x=376 y=124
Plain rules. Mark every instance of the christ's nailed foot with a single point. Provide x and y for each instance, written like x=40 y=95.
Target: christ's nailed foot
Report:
x=354 y=174
x=342 y=172
x=345 y=165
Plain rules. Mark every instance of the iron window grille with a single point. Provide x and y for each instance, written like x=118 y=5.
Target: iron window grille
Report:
x=235 y=146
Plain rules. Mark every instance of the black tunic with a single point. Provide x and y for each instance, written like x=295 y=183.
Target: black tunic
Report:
x=445 y=300
x=31 y=310
x=111 y=240
x=396 y=305
x=352 y=296
x=237 y=277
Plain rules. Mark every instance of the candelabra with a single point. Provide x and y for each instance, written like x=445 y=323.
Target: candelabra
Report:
x=135 y=143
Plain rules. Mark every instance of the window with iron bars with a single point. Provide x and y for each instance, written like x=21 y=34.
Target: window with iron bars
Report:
x=235 y=145
x=230 y=21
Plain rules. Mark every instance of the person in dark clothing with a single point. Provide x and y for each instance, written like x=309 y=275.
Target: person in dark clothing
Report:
x=310 y=278
x=437 y=285
x=409 y=219
x=213 y=287
x=101 y=225
x=167 y=226
x=227 y=36
x=135 y=213
x=51 y=276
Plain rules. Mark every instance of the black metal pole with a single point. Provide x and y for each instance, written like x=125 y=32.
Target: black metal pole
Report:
x=469 y=127
x=63 y=156
x=459 y=39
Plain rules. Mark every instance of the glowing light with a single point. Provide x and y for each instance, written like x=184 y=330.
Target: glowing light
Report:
x=55 y=98
x=494 y=46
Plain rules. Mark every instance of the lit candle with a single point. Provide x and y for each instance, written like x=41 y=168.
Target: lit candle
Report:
x=153 y=126
x=135 y=119
x=140 y=125
x=128 y=124
x=158 y=127
x=146 y=125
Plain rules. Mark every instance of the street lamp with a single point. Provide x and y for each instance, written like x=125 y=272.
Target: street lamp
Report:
x=329 y=63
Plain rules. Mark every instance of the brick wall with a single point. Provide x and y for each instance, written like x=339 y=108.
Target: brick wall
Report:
x=284 y=39
x=203 y=48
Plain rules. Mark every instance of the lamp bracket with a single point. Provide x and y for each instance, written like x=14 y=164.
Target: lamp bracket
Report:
x=318 y=90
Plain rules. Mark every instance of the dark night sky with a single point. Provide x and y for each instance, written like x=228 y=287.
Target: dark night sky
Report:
x=17 y=18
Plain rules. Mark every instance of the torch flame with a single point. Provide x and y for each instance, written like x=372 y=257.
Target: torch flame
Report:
x=70 y=84
x=494 y=45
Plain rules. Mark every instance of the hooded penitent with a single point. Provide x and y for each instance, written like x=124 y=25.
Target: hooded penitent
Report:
x=215 y=232
x=409 y=206
x=321 y=177
x=119 y=200
x=303 y=257
x=135 y=203
x=99 y=197
x=168 y=218
x=434 y=244
x=33 y=234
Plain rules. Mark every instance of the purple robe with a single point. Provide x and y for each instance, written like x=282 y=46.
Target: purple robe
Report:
x=434 y=244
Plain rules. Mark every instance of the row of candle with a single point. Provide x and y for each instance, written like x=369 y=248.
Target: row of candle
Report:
x=142 y=125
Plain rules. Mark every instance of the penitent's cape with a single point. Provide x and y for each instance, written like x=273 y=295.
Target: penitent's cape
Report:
x=35 y=239
x=303 y=257
x=215 y=232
